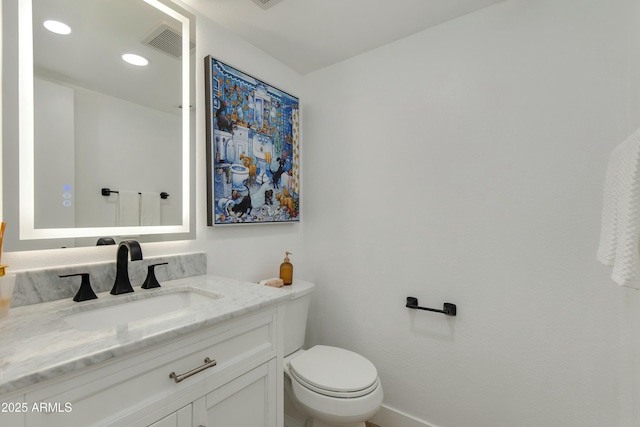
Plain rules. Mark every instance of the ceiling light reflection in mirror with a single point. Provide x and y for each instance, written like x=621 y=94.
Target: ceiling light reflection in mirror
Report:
x=137 y=60
x=29 y=227
x=57 y=27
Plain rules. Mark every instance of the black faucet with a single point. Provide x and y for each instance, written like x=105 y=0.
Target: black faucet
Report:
x=122 y=284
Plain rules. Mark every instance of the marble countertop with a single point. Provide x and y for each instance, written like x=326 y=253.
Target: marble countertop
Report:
x=36 y=344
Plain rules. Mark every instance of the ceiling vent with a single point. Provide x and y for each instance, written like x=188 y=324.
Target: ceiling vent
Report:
x=167 y=40
x=266 y=4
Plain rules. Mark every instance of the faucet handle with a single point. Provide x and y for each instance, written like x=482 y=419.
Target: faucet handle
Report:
x=151 y=282
x=85 y=292
x=103 y=241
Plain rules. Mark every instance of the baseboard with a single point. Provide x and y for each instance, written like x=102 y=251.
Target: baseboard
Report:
x=391 y=417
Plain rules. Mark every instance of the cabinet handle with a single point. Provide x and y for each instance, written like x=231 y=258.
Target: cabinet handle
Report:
x=208 y=363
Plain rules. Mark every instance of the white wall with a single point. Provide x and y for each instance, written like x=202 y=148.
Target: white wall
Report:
x=466 y=164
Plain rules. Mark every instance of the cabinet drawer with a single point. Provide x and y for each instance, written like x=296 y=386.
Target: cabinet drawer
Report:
x=139 y=386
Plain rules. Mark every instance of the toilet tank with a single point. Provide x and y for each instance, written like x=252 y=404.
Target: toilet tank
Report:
x=295 y=317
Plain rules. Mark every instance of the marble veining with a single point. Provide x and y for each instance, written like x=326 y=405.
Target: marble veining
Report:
x=38 y=286
x=38 y=344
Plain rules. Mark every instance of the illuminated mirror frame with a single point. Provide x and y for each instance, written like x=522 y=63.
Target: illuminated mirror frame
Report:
x=26 y=140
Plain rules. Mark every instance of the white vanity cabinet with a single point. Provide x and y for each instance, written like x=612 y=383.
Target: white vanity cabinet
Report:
x=242 y=388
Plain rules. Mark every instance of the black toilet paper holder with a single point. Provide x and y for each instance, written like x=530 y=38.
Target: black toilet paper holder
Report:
x=448 y=308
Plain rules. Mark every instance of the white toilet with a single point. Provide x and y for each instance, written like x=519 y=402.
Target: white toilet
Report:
x=332 y=386
x=239 y=174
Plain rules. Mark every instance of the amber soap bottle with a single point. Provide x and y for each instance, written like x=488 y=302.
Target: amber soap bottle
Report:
x=286 y=270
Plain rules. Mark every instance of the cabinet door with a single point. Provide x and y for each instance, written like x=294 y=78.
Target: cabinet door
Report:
x=180 y=418
x=247 y=401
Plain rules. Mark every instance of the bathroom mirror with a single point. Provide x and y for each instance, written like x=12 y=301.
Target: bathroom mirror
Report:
x=102 y=147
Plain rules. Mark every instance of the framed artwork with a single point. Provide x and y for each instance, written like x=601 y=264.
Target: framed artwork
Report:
x=253 y=173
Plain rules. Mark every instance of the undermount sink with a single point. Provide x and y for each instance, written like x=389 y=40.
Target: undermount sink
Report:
x=133 y=307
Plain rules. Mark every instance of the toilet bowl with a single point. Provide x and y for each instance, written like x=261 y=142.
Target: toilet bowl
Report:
x=239 y=174
x=335 y=387
x=332 y=386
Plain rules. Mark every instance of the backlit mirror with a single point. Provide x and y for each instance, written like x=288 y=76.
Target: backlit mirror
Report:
x=104 y=144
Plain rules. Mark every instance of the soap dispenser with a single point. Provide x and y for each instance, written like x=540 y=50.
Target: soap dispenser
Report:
x=286 y=270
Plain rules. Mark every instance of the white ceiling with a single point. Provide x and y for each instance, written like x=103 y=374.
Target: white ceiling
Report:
x=307 y=35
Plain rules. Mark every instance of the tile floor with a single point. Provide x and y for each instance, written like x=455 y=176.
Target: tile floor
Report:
x=370 y=424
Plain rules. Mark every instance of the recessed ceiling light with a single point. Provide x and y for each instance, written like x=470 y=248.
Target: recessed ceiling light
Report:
x=134 y=59
x=57 y=27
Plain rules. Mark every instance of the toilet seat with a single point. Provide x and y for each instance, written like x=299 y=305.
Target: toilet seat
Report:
x=334 y=372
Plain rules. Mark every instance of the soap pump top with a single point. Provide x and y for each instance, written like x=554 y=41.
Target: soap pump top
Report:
x=286 y=270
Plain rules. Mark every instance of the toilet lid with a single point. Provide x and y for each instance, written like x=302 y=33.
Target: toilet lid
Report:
x=334 y=370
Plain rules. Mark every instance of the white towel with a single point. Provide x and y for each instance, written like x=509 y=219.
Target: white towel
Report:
x=128 y=208
x=149 y=208
x=620 y=233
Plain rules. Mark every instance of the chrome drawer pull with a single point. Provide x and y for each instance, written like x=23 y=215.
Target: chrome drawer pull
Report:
x=208 y=363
